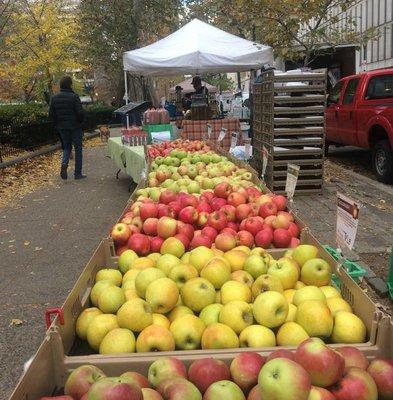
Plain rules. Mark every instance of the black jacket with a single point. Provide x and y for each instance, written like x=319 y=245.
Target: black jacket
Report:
x=66 y=110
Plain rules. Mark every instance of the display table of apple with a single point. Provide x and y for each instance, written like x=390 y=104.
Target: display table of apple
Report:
x=313 y=371
x=163 y=149
x=214 y=299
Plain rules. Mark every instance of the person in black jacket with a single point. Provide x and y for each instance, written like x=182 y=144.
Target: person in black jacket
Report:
x=66 y=112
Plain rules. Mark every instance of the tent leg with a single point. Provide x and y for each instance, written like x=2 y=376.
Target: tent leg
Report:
x=126 y=87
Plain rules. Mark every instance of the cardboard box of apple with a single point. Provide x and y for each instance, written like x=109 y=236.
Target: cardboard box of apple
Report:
x=214 y=299
x=164 y=148
x=314 y=371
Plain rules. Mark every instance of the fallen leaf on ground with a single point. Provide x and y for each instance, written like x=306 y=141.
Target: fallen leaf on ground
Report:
x=16 y=322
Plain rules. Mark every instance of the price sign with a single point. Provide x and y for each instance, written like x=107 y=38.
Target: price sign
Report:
x=247 y=148
x=347 y=221
x=265 y=157
x=209 y=131
x=292 y=175
x=222 y=135
x=233 y=140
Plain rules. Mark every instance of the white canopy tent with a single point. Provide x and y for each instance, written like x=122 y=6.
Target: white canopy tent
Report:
x=196 y=48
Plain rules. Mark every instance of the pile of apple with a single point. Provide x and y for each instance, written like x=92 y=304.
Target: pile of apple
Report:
x=223 y=218
x=210 y=299
x=164 y=148
x=314 y=371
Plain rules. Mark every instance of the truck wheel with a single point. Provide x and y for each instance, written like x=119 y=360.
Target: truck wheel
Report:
x=382 y=159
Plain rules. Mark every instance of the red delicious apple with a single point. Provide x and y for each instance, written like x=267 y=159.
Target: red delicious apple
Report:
x=255 y=393
x=174 y=208
x=225 y=241
x=167 y=196
x=178 y=389
x=381 y=370
x=120 y=233
x=150 y=226
x=267 y=209
x=293 y=229
x=207 y=195
x=245 y=369
x=255 y=209
x=114 y=389
x=222 y=190
x=166 y=227
x=217 y=203
x=148 y=210
x=229 y=211
x=253 y=193
x=189 y=200
x=242 y=225
x=204 y=206
x=229 y=230
x=324 y=365
x=217 y=220
x=155 y=244
x=183 y=238
x=280 y=201
x=356 y=384
x=236 y=198
x=282 y=353
x=81 y=380
x=244 y=238
x=135 y=378
x=162 y=210
x=121 y=249
x=200 y=240
x=269 y=220
x=139 y=243
x=353 y=357
x=188 y=215
x=205 y=371
x=264 y=238
x=281 y=238
x=209 y=232
x=233 y=225
x=185 y=229
x=253 y=225
x=294 y=243
x=243 y=211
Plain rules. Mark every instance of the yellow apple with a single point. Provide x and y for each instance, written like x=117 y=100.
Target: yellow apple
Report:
x=135 y=315
x=236 y=259
x=255 y=265
x=308 y=293
x=179 y=311
x=315 y=318
x=198 y=293
x=185 y=258
x=130 y=294
x=257 y=336
x=245 y=249
x=299 y=285
x=111 y=299
x=218 y=297
x=154 y=256
x=219 y=336
x=291 y=313
x=316 y=272
x=291 y=334
x=145 y=278
x=286 y=270
x=330 y=291
x=172 y=246
x=270 y=309
x=337 y=304
x=303 y=253
x=128 y=284
x=159 y=319
x=166 y=262
x=143 y=263
x=131 y=274
x=98 y=328
x=117 y=341
x=288 y=294
x=217 y=271
x=348 y=328
x=234 y=290
x=200 y=256
x=181 y=273
x=187 y=332
x=126 y=260
x=210 y=314
x=155 y=338
x=266 y=283
x=84 y=319
x=108 y=274
x=242 y=276
x=162 y=295
x=237 y=315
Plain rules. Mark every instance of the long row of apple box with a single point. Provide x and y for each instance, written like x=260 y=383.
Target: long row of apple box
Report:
x=61 y=351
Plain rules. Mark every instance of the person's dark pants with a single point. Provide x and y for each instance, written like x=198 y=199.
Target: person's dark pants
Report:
x=71 y=137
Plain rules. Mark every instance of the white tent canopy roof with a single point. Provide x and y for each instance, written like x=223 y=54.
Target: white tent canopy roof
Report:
x=195 y=48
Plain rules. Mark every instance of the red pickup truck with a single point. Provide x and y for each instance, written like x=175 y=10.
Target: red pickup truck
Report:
x=359 y=113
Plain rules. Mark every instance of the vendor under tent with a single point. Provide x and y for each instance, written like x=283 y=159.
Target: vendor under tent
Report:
x=188 y=88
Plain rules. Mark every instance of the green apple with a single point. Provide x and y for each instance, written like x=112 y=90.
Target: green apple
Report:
x=237 y=315
x=219 y=336
x=257 y=336
x=291 y=334
x=235 y=290
x=308 y=293
x=227 y=390
x=126 y=259
x=200 y=256
x=84 y=319
x=316 y=272
x=198 y=293
x=111 y=275
x=266 y=283
x=304 y=252
x=162 y=294
x=154 y=194
x=118 y=341
x=194 y=187
x=207 y=183
x=98 y=328
x=286 y=270
x=315 y=318
x=210 y=314
x=144 y=278
x=348 y=328
x=187 y=332
x=135 y=315
x=217 y=271
x=181 y=273
x=166 y=262
x=179 y=311
x=111 y=299
x=270 y=309
x=255 y=266
x=97 y=290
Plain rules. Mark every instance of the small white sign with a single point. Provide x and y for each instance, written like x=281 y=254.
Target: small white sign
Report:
x=265 y=157
x=222 y=135
x=347 y=221
x=234 y=140
x=292 y=175
x=209 y=131
x=247 y=149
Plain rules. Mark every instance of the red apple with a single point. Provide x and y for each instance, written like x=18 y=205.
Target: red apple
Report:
x=381 y=370
x=253 y=193
x=113 y=389
x=264 y=238
x=293 y=229
x=137 y=221
x=200 y=240
x=150 y=226
x=287 y=214
x=155 y=244
x=120 y=233
x=229 y=230
x=209 y=232
x=233 y=225
x=281 y=221
x=205 y=371
x=207 y=195
x=150 y=394
x=229 y=211
x=353 y=357
x=294 y=243
x=188 y=215
x=139 y=243
x=245 y=368
x=185 y=229
x=148 y=210
x=121 y=249
x=174 y=208
x=242 y=225
x=166 y=227
x=222 y=190
x=217 y=203
x=268 y=220
x=225 y=241
x=236 y=198
x=280 y=201
x=167 y=196
x=318 y=393
x=253 y=225
x=282 y=353
x=255 y=393
x=255 y=209
x=202 y=219
x=189 y=200
x=162 y=210
x=81 y=380
x=243 y=211
x=281 y=238
x=267 y=209
x=183 y=238
x=217 y=220
x=136 y=378
x=204 y=206
x=244 y=238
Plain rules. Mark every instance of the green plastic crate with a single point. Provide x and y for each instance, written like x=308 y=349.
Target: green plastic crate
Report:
x=157 y=128
x=355 y=271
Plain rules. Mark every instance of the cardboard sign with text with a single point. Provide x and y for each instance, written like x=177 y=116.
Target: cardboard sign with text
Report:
x=222 y=135
x=292 y=175
x=347 y=221
x=265 y=157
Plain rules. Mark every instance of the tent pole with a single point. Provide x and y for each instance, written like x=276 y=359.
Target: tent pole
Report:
x=126 y=86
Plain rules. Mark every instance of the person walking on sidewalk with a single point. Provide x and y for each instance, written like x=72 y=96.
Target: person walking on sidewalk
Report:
x=66 y=113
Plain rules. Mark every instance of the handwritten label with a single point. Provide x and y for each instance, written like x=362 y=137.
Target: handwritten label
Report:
x=222 y=134
x=347 y=221
x=209 y=131
x=247 y=148
x=265 y=158
x=292 y=175
x=234 y=140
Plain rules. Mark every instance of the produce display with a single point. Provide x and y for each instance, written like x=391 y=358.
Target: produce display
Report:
x=164 y=148
x=208 y=298
x=314 y=371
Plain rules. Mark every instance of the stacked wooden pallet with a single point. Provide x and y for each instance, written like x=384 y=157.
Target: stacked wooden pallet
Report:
x=288 y=120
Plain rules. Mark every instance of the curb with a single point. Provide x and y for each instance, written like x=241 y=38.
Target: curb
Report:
x=41 y=152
